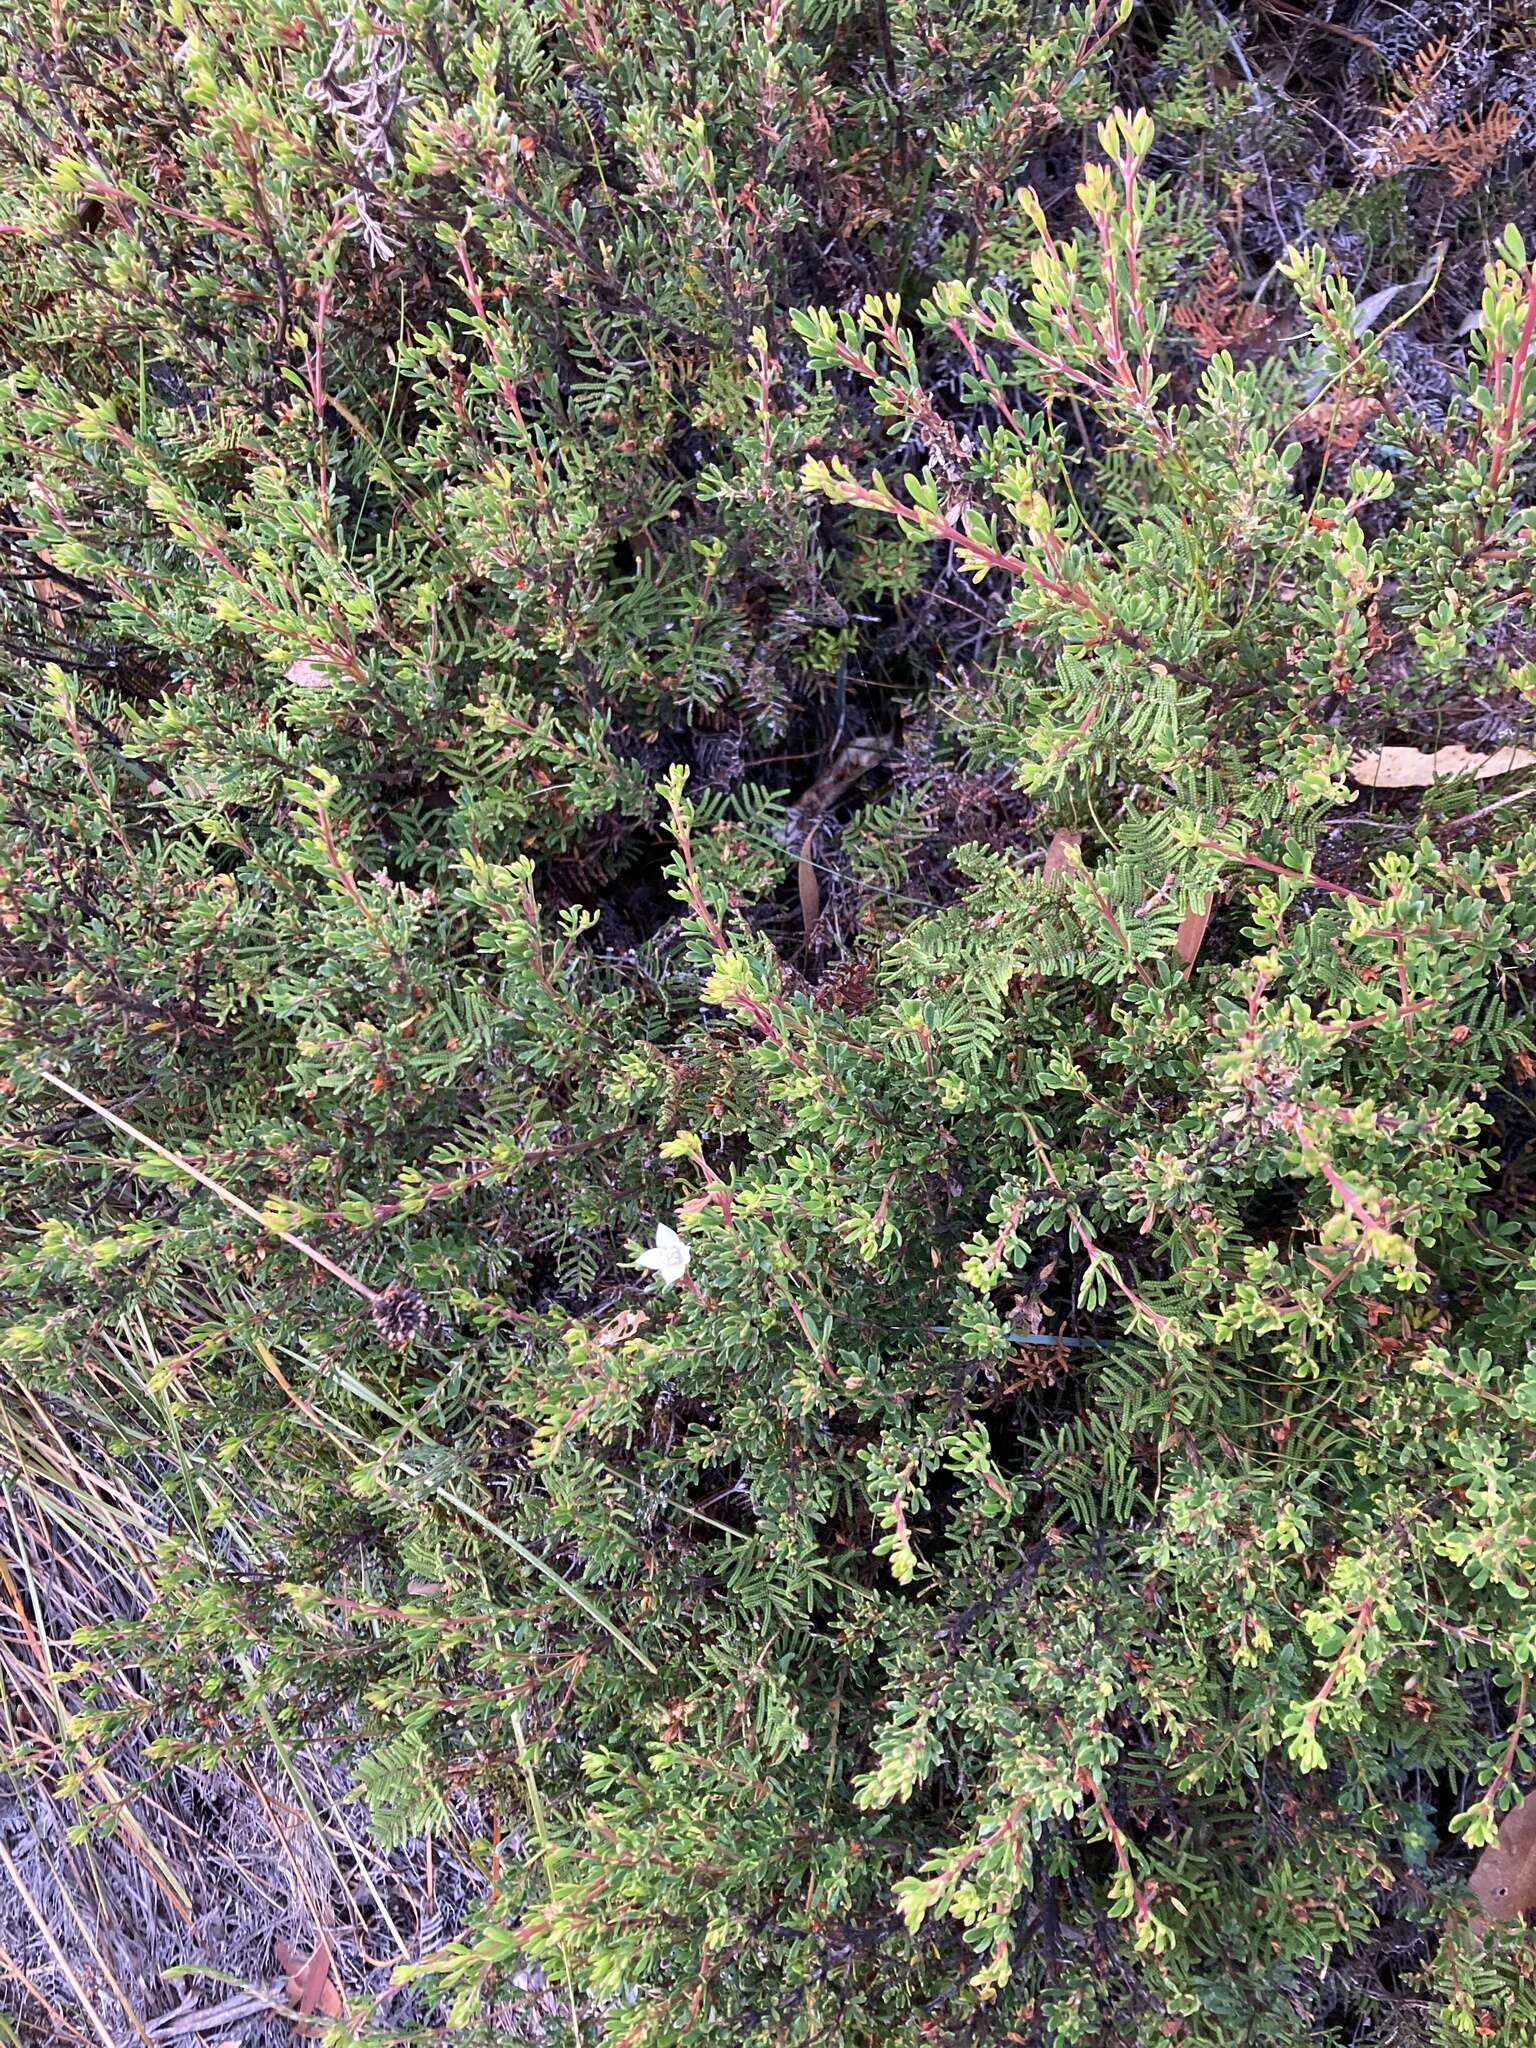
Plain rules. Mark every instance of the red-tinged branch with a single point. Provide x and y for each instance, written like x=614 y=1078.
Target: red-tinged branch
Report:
x=1352 y=1643
x=988 y=383
x=113 y=195
x=937 y=527
x=1504 y=431
x=1511 y=1749
x=1349 y=1198
x=1269 y=867
x=1089 y=1784
x=1160 y=1323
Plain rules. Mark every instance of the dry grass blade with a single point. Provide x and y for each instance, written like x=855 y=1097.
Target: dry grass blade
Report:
x=35 y=1995
x=530 y=1557
x=237 y=1202
x=23 y=1891
x=201 y=1870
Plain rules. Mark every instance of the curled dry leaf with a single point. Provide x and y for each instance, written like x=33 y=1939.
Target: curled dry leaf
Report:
x=1504 y=1877
x=850 y=766
x=810 y=887
x=1340 y=421
x=1412 y=768
x=623 y=1325
x=1061 y=856
x=309 y=1986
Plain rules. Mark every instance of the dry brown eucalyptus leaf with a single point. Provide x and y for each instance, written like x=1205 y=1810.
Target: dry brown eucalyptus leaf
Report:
x=810 y=887
x=1412 y=768
x=1190 y=936
x=309 y=1985
x=1061 y=856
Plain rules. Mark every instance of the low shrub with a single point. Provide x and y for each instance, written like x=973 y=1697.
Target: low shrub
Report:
x=621 y=639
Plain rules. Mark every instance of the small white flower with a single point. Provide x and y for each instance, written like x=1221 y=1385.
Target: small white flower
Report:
x=667 y=1258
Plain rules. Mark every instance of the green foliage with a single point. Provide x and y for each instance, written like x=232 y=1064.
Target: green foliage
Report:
x=1055 y=1566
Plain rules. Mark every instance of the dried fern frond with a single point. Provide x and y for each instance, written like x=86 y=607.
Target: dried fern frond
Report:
x=1465 y=150
x=1214 y=315
x=1338 y=421
x=1423 y=122
x=1417 y=101
x=1414 y=83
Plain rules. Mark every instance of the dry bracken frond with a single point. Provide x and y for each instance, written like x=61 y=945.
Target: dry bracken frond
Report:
x=1417 y=101
x=1466 y=150
x=1422 y=124
x=1214 y=315
x=1338 y=421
